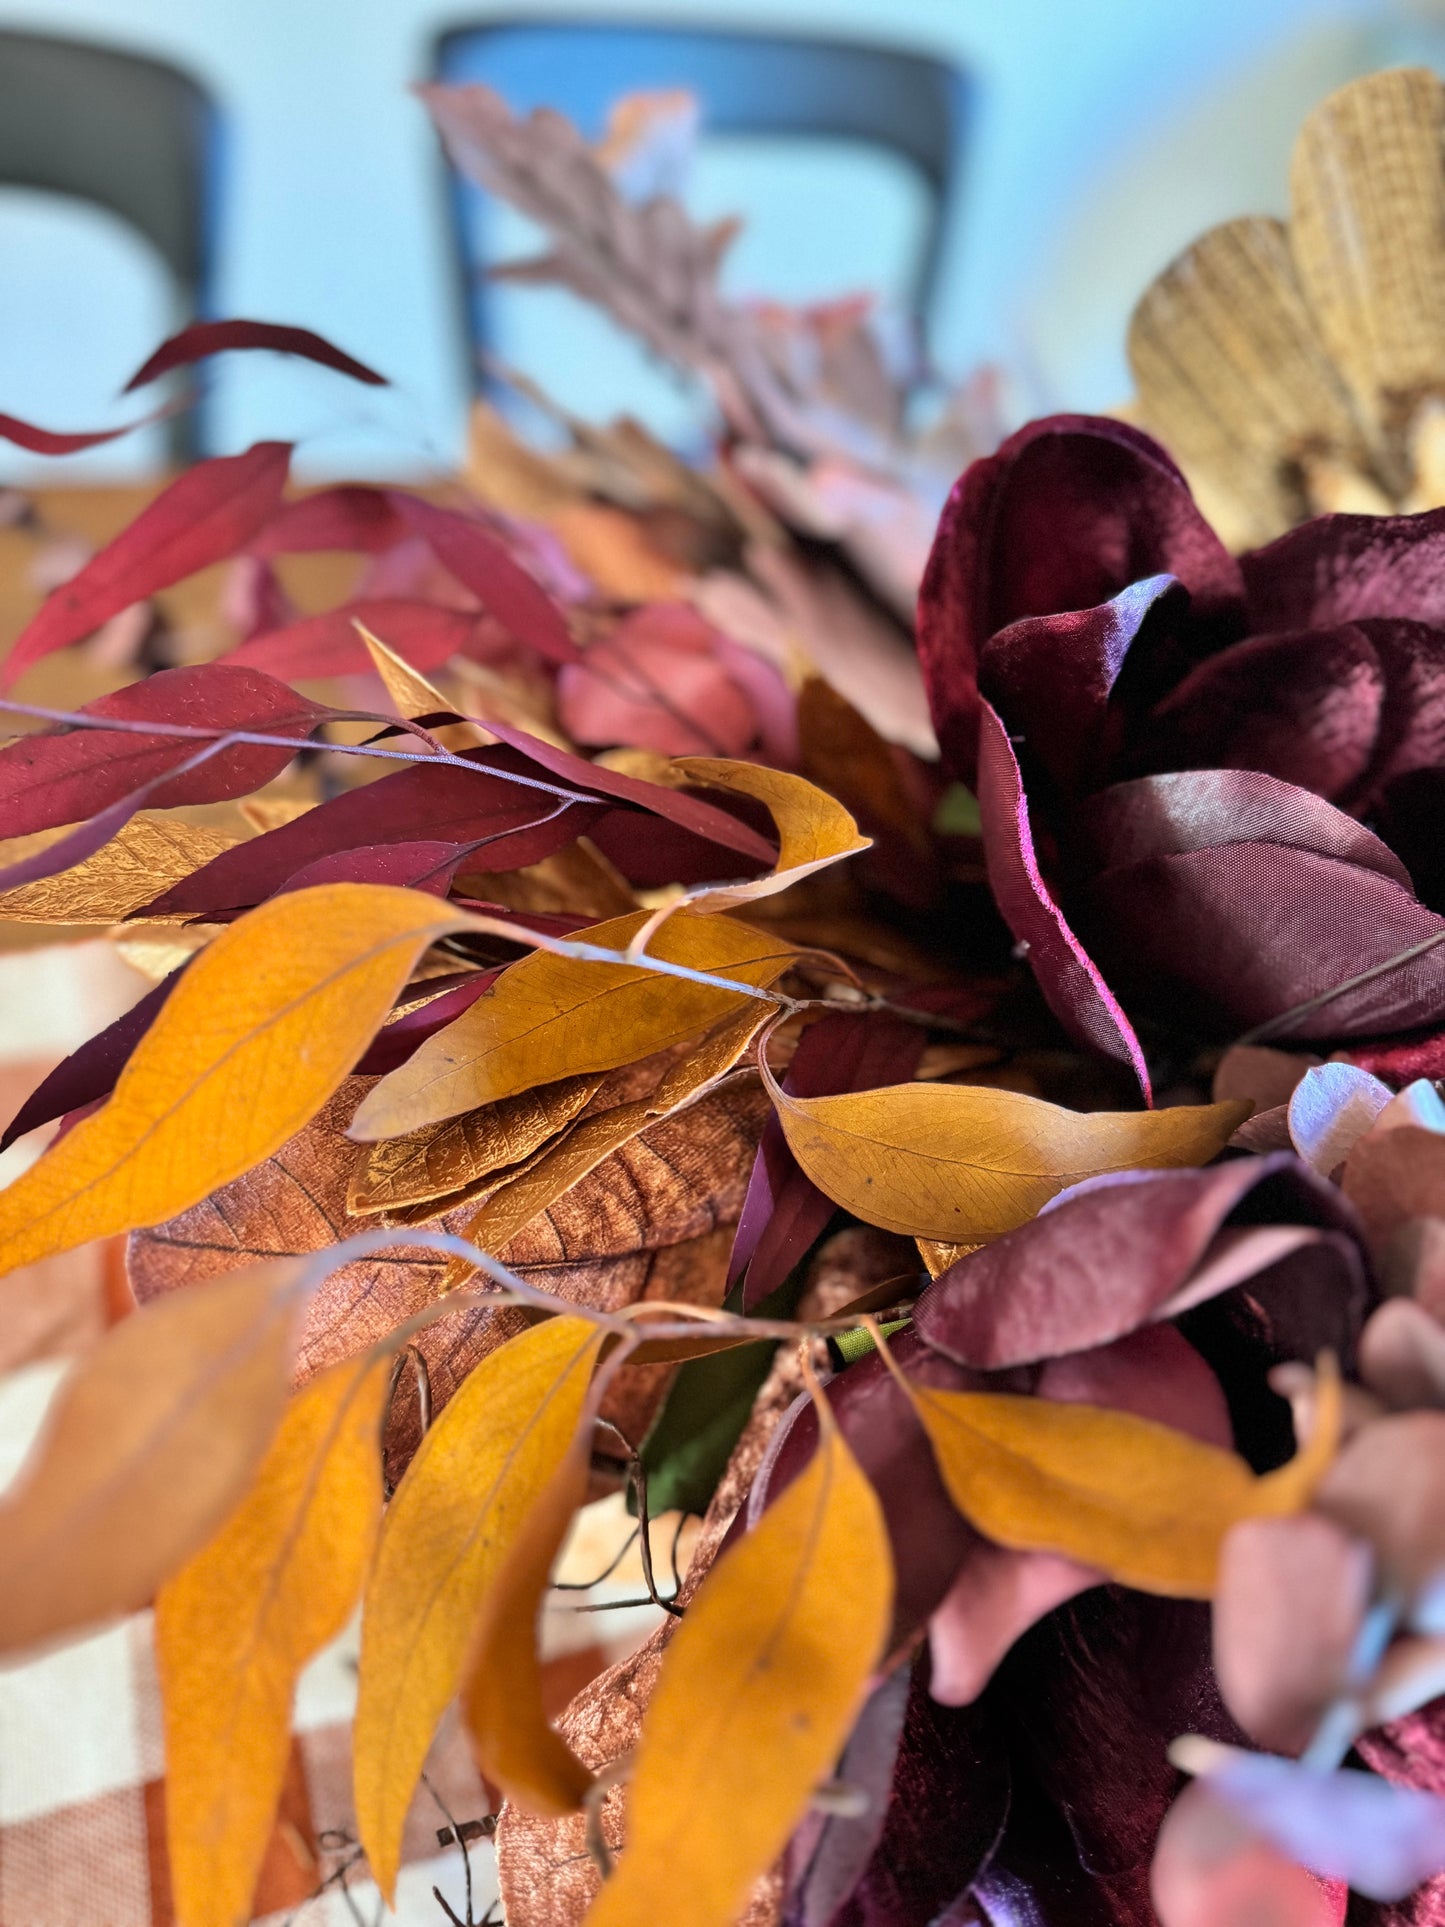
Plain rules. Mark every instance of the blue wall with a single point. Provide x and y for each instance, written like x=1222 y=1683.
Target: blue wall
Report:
x=335 y=219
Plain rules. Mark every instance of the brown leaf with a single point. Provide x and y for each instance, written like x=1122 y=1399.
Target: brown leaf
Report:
x=654 y=1220
x=510 y=1209
x=459 y=1153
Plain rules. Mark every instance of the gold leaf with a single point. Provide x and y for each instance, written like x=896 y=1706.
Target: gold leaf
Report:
x=451 y=1158
x=1143 y=1503
x=150 y=1444
x=413 y=695
x=759 y=1687
x=237 y=1624
x=549 y=1017
x=963 y=1164
x=513 y=1206
x=453 y=1522
x=251 y=1042
x=814 y=830
x=141 y=860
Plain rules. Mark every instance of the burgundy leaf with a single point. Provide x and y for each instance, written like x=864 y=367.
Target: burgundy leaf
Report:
x=47 y=441
x=1070 y=511
x=503 y=826
x=480 y=563
x=396 y=1041
x=1071 y=982
x=63 y=775
x=406 y=866
x=351 y=517
x=203 y=517
x=425 y=633
x=87 y=1076
x=688 y=812
x=784 y=1212
x=1109 y=1257
x=205 y=338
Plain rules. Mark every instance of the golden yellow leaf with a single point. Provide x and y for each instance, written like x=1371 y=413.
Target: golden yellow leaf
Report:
x=1145 y=1504
x=814 y=829
x=548 y=1017
x=938 y=1257
x=759 y=1687
x=963 y=1164
x=448 y=1160
x=513 y=1206
x=235 y=1627
x=150 y=1444
x=413 y=695
x=252 y=1041
x=516 y=1746
x=454 y=1520
x=149 y=853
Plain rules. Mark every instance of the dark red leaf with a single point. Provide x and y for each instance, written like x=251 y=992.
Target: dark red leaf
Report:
x=328 y=645
x=88 y=1074
x=435 y=802
x=47 y=441
x=396 y=1041
x=676 y=806
x=1339 y=568
x=64 y=775
x=1071 y=982
x=203 y=517
x=480 y=563
x=205 y=338
x=350 y=517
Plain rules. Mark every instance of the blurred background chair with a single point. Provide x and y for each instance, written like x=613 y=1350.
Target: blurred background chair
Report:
x=771 y=91
x=133 y=135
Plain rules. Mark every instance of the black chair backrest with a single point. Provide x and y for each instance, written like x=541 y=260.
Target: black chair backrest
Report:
x=123 y=132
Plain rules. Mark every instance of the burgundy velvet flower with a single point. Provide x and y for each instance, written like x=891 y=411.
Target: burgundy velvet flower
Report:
x=1210 y=787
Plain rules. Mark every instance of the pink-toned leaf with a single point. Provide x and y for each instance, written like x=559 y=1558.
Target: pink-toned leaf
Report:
x=1211 y=1870
x=328 y=644
x=657 y=682
x=206 y=338
x=204 y=516
x=1331 y=1107
x=351 y=517
x=480 y=563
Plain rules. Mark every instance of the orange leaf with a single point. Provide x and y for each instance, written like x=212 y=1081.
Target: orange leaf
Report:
x=456 y=1516
x=814 y=829
x=1145 y=1504
x=249 y=1045
x=759 y=1687
x=235 y=1627
x=150 y=1444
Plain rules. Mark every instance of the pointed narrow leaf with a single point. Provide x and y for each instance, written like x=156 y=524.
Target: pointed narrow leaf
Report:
x=328 y=645
x=759 y=1688
x=518 y=1200
x=516 y=1746
x=454 y=1520
x=248 y=1046
x=549 y=1017
x=236 y=1625
x=814 y=830
x=210 y=512
x=1145 y=1504
x=206 y=338
x=964 y=1164
x=49 y=441
x=148 y=1447
x=480 y=563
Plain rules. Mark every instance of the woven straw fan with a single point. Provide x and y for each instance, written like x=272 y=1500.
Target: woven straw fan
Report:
x=1294 y=369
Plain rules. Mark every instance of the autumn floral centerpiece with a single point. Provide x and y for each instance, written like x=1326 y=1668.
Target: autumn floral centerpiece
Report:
x=951 y=1104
